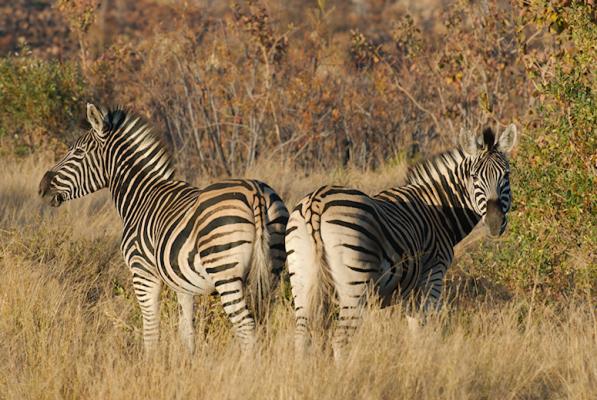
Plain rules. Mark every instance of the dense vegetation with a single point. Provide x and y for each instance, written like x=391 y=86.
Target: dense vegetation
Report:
x=553 y=235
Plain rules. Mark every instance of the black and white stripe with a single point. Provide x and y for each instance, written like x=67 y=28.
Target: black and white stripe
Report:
x=398 y=242
x=227 y=238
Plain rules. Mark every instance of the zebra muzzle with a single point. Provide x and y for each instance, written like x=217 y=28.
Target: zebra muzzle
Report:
x=47 y=192
x=494 y=218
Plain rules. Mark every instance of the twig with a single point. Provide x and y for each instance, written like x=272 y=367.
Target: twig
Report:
x=406 y=92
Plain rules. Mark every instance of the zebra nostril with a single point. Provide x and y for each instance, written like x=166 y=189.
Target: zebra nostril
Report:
x=494 y=217
x=45 y=183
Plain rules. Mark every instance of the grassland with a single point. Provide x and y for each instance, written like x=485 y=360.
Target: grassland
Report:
x=70 y=326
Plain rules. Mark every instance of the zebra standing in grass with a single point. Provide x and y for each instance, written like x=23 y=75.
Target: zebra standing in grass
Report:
x=398 y=242
x=226 y=238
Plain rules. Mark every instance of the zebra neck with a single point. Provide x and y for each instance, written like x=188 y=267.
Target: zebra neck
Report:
x=443 y=182
x=136 y=177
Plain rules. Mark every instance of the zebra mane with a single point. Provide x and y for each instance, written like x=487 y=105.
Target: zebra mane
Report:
x=423 y=171
x=116 y=117
x=121 y=121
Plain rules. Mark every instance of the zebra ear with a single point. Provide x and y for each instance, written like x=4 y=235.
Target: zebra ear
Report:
x=507 y=139
x=95 y=118
x=468 y=141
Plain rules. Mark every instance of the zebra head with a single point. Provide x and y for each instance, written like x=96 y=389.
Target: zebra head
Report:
x=488 y=175
x=81 y=171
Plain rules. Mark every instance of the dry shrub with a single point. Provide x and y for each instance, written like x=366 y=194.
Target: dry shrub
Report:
x=256 y=80
x=230 y=85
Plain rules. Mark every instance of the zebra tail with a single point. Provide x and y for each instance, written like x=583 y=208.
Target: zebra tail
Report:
x=321 y=290
x=260 y=282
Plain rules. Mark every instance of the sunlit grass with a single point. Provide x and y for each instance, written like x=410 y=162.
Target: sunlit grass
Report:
x=70 y=326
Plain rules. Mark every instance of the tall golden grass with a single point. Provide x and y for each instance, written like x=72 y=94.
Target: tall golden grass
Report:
x=70 y=326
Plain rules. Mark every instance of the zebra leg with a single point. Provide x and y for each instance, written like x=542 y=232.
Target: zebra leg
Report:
x=303 y=265
x=352 y=292
x=185 y=321
x=431 y=291
x=302 y=335
x=147 y=290
x=354 y=273
x=232 y=296
x=351 y=304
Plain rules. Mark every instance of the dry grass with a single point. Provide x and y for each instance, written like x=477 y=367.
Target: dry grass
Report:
x=70 y=327
x=292 y=183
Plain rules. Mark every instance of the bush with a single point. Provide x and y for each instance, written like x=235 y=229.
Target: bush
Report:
x=250 y=84
x=553 y=231
x=39 y=99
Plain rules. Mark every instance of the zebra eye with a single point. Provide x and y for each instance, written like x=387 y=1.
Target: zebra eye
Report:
x=79 y=151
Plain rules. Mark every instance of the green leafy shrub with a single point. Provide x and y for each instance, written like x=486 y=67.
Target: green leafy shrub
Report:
x=553 y=232
x=39 y=100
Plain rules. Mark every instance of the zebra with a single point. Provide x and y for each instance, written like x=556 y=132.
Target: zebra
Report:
x=399 y=242
x=227 y=238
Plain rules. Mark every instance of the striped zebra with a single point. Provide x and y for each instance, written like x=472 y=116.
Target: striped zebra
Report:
x=341 y=241
x=227 y=238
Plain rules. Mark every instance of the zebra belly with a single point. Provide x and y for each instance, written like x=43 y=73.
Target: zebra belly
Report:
x=180 y=268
